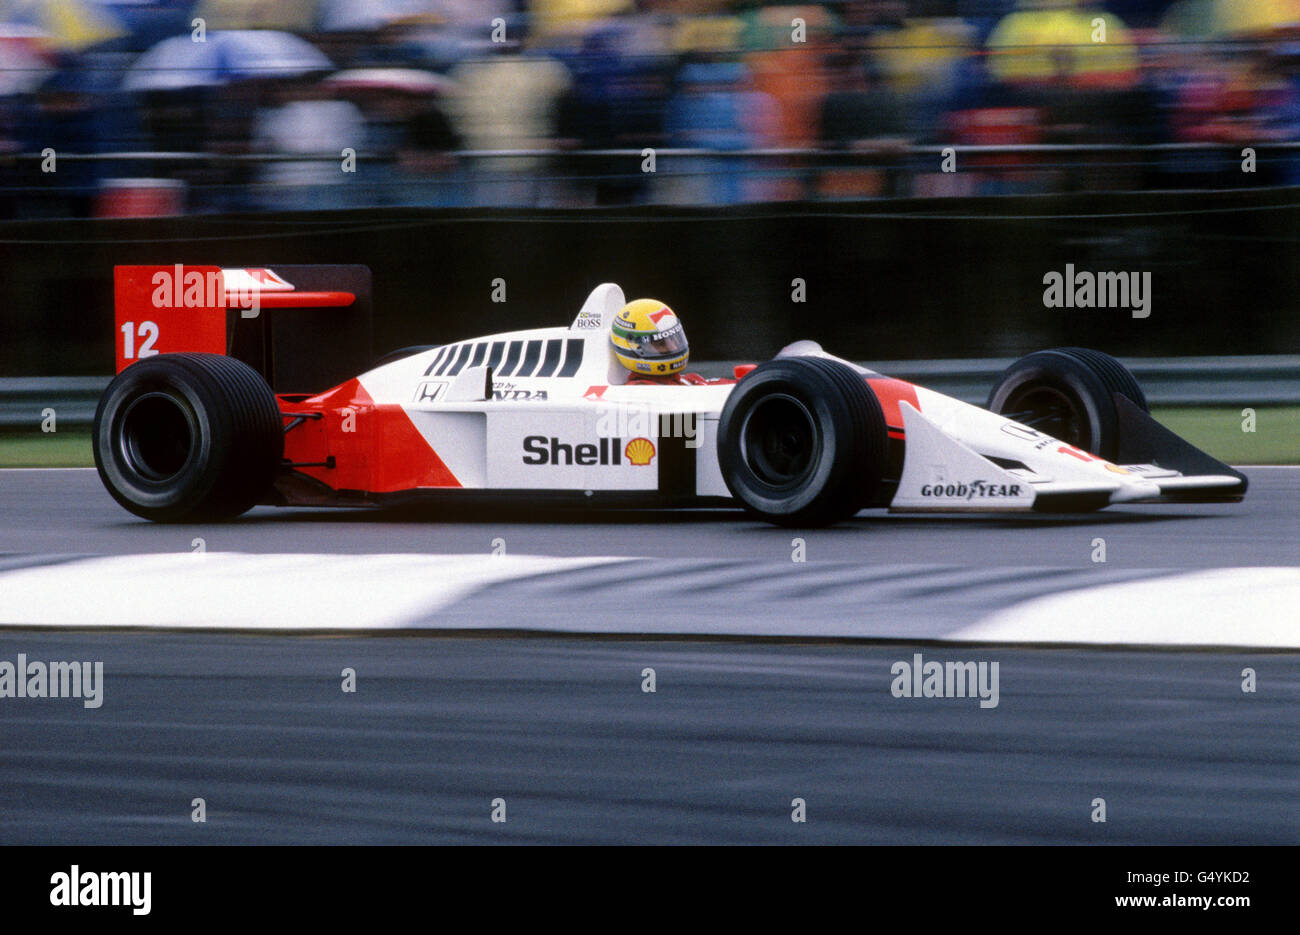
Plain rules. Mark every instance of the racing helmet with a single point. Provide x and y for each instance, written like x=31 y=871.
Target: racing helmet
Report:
x=648 y=339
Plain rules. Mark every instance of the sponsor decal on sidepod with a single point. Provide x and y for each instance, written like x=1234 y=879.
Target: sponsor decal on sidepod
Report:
x=540 y=449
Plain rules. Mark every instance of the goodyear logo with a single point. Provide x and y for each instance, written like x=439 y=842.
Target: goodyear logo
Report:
x=970 y=491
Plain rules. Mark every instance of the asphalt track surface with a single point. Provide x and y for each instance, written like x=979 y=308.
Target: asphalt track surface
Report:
x=69 y=512
x=560 y=729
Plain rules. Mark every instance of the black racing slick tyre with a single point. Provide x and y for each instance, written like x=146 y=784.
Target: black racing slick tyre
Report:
x=188 y=438
x=1068 y=393
x=802 y=442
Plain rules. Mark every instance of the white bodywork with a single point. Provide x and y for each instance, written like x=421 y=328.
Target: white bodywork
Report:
x=560 y=431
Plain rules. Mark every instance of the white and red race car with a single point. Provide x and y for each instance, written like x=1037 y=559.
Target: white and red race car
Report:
x=191 y=429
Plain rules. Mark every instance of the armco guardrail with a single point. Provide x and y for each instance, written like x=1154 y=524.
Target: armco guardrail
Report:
x=24 y=401
x=1167 y=381
x=1180 y=381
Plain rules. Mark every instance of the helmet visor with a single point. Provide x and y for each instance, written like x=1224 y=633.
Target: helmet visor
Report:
x=670 y=343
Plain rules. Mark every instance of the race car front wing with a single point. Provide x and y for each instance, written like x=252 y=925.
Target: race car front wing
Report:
x=942 y=473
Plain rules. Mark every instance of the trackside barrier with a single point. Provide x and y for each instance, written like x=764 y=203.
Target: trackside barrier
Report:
x=1177 y=381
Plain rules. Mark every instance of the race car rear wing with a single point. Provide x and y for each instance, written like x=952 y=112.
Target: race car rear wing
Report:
x=304 y=328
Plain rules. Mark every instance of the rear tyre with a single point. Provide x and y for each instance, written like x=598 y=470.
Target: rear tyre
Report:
x=1068 y=393
x=802 y=442
x=188 y=438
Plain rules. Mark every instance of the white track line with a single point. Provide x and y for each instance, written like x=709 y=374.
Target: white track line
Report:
x=1255 y=607
x=1246 y=607
x=229 y=590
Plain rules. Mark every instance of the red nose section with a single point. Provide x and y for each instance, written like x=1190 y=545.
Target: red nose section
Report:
x=891 y=393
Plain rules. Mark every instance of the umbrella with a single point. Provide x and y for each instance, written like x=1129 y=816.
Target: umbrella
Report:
x=768 y=28
x=235 y=55
x=71 y=25
x=708 y=34
x=573 y=16
x=293 y=15
x=23 y=65
x=1047 y=44
x=1257 y=17
x=922 y=51
x=1204 y=19
x=369 y=15
x=406 y=80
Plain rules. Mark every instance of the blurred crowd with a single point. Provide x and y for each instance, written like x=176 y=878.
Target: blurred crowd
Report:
x=130 y=107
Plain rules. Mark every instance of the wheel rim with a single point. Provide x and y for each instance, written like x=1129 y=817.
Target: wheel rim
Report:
x=780 y=440
x=157 y=436
x=1048 y=410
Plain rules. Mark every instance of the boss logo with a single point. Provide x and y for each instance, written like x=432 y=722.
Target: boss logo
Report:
x=585 y=321
x=971 y=491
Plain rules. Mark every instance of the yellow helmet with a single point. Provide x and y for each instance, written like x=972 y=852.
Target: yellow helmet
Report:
x=648 y=339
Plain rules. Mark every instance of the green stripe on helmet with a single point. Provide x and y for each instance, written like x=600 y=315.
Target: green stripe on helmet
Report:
x=628 y=334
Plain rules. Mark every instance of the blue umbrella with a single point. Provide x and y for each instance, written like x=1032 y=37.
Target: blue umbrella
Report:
x=223 y=57
x=72 y=25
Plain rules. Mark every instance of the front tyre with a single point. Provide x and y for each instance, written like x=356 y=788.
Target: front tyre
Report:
x=1068 y=393
x=802 y=441
x=188 y=438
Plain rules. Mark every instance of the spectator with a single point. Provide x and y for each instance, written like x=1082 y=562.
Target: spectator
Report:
x=861 y=115
x=616 y=101
x=304 y=122
x=879 y=81
x=712 y=110
x=427 y=168
x=64 y=122
x=508 y=101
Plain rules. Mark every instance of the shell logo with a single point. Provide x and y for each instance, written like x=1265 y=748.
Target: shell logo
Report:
x=640 y=451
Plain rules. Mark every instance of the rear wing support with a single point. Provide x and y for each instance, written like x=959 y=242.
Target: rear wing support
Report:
x=305 y=328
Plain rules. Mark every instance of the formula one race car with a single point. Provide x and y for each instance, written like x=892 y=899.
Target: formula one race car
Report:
x=192 y=430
